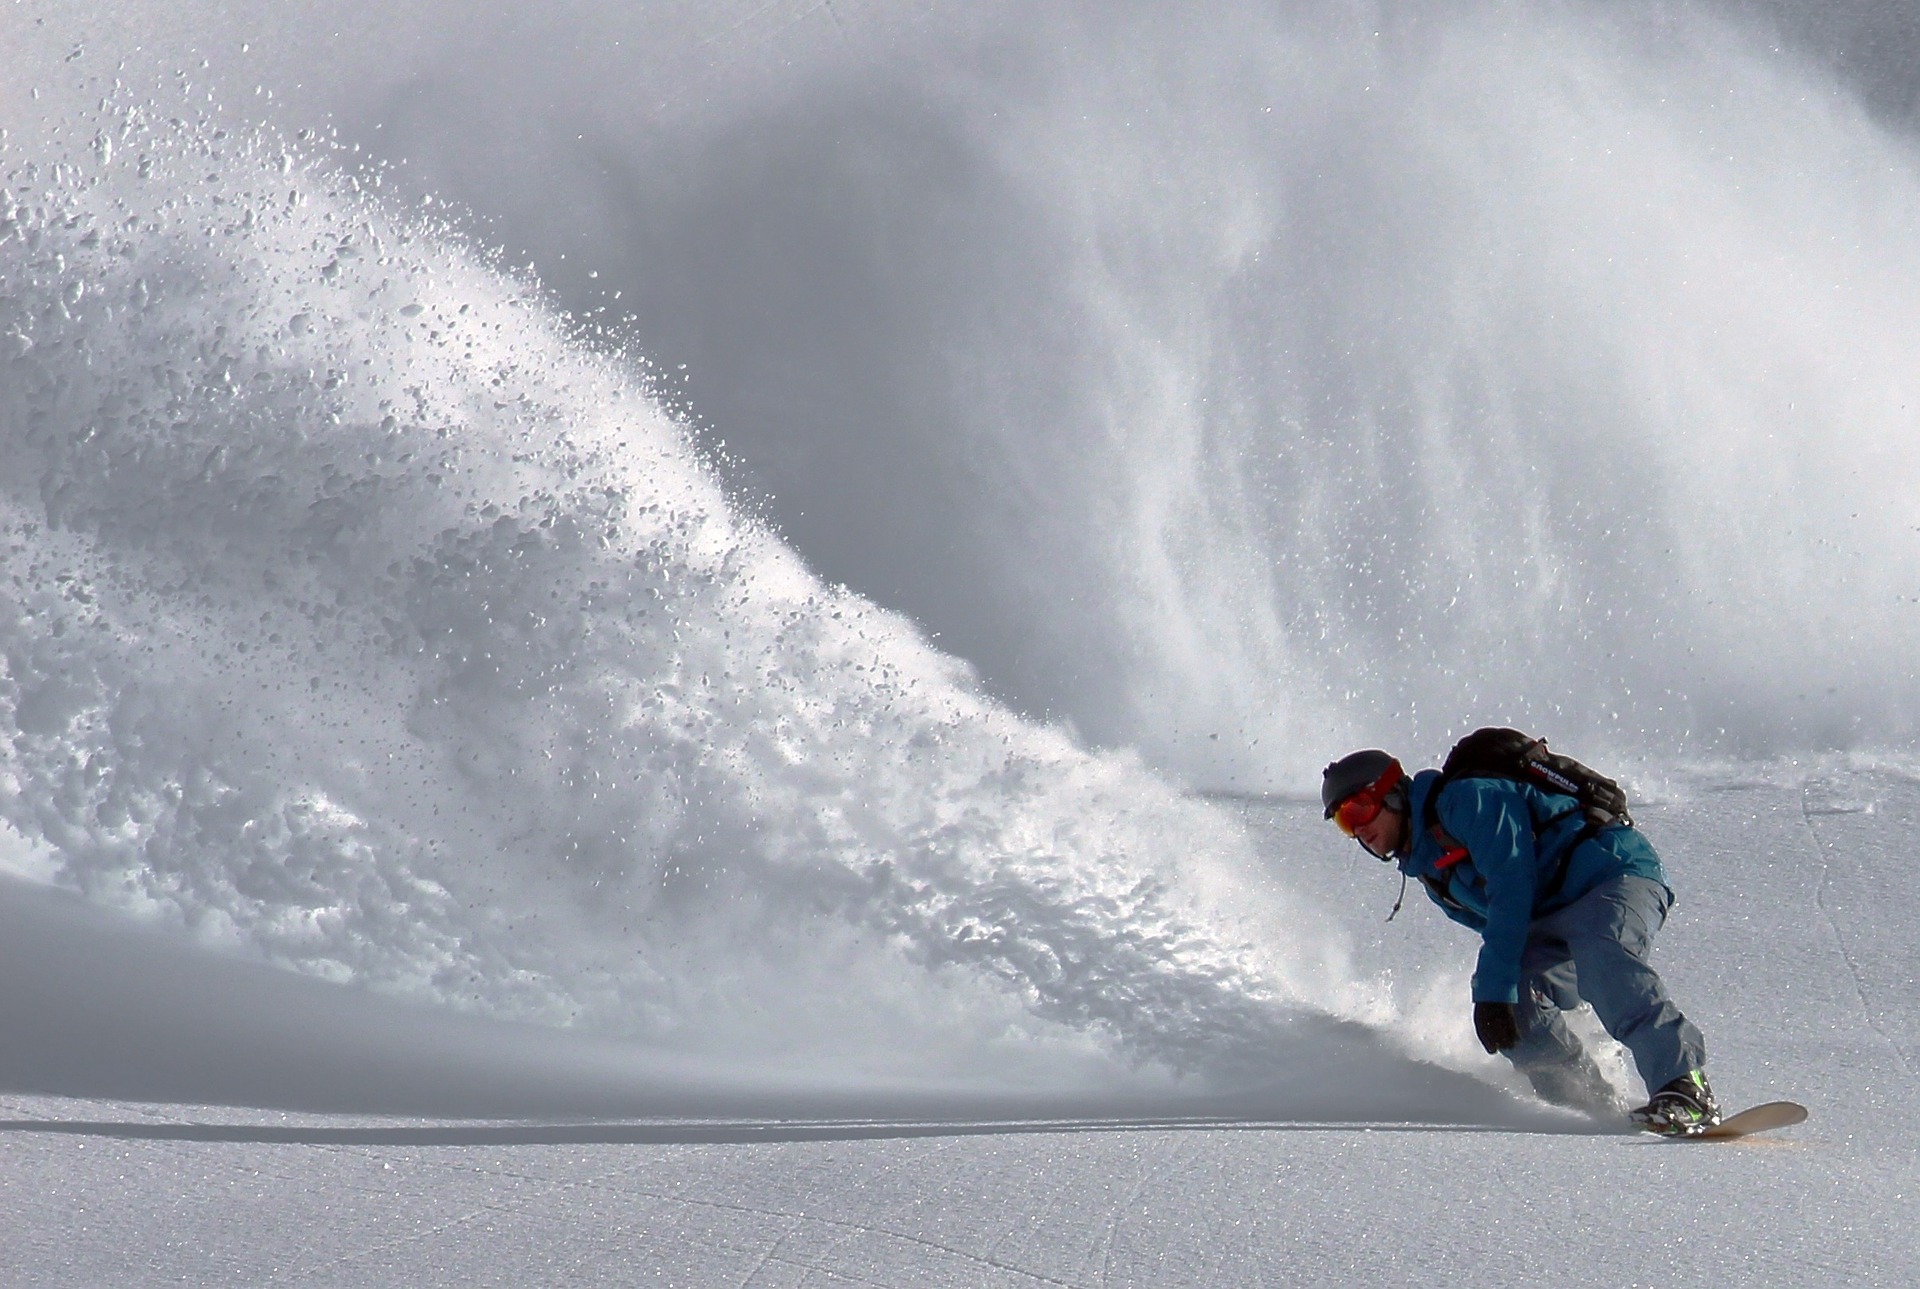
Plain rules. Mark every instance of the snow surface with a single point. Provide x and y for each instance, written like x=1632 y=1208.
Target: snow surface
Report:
x=1789 y=945
x=765 y=733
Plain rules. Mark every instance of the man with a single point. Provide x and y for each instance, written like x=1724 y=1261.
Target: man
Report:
x=1565 y=913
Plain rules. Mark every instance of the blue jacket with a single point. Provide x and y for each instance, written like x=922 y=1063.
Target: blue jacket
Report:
x=1498 y=888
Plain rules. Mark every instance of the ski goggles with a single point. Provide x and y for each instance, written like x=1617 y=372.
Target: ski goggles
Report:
x=1364 y=806
x=1359 y=810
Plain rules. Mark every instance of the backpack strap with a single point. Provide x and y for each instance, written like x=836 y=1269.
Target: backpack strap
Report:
x=1442 y=888
x=1455 y=851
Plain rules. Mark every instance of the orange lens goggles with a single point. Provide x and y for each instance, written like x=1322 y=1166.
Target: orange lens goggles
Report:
x=1358 y=810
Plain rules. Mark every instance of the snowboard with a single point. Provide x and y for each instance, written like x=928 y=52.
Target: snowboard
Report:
x=1760 y=1118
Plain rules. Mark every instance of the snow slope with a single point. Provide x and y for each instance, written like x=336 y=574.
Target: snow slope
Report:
x=1789 y=945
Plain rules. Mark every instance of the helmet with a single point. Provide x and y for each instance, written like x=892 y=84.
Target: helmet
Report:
x=1356 y=772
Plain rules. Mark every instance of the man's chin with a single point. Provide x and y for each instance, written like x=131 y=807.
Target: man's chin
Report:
x=1386 y=858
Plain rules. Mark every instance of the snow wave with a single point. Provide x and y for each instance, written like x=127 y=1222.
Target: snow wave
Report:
x=357 y=616
x=1239 y=391
x=1361 y=372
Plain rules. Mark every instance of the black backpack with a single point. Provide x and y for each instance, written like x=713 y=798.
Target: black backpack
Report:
x=1495 y=753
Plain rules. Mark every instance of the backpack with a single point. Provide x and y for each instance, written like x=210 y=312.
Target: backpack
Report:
x=1495 y=753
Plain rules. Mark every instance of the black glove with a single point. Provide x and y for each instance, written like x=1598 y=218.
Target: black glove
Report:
x=1497 y=1026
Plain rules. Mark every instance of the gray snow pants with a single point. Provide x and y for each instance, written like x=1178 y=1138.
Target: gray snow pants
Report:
x=1595 y=950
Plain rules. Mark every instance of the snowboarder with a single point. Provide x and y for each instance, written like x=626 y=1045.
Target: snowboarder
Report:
x=1565 y=913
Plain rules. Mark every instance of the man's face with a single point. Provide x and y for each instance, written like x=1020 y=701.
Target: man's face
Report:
x=1384 y=833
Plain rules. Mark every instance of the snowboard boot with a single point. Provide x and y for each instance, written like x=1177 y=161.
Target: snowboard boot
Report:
x=1683 y=1108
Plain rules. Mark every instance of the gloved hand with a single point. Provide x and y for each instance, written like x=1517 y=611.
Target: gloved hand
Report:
x=1497 y=1026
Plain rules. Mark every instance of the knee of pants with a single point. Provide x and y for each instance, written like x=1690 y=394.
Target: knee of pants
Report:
x=1544 y=1039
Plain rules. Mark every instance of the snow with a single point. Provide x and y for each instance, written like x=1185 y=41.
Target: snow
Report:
x=246 y=1202
x=765 y=732
x=1778 y=948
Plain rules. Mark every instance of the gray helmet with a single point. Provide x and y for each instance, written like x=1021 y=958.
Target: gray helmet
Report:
x=1355 y=772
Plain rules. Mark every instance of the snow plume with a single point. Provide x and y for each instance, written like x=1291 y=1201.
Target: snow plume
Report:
x=360 y=619
x=1314 y=376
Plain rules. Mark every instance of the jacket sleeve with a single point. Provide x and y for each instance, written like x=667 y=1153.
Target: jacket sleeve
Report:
x=1490 y=818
